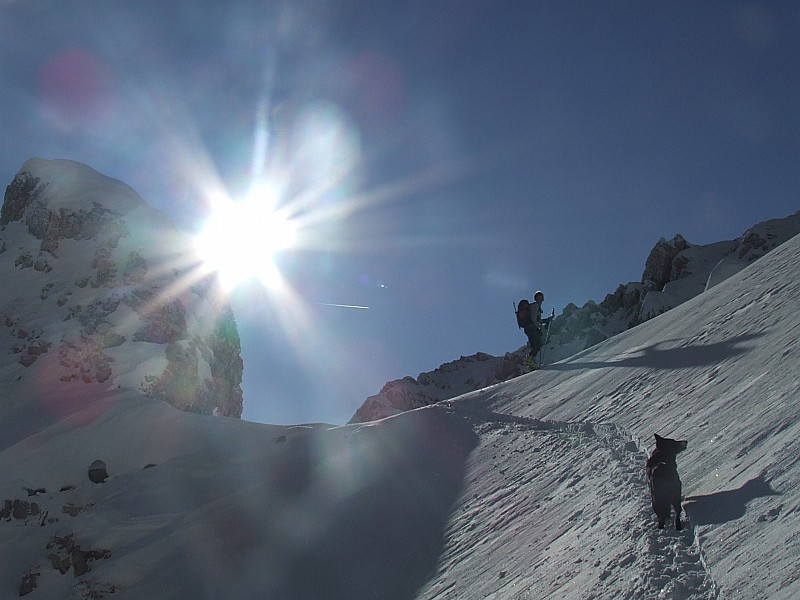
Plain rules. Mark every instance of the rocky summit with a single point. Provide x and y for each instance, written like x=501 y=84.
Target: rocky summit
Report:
x=104 y=293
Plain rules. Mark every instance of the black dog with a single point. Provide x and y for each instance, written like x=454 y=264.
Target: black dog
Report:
x=662 y=476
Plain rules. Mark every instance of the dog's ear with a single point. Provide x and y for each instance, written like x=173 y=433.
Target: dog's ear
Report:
x=659 y=439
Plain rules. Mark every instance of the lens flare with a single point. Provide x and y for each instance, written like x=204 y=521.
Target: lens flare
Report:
x=76 y=91
x=240 y=240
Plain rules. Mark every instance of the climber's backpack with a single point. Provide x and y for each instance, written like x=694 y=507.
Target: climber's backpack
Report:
x=523 y=313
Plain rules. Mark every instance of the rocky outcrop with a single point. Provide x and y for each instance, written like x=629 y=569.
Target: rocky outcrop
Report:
x=19 y=510
x=467 y=374
x=107 y=291
x=26 y=200
x=766 y=236
x=661 y=266
x=62 y=553
x=20 y=193
x=65 y=554
x=675 y=271
x=98 y=472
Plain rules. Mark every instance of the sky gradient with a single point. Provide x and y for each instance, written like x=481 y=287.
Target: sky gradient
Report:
x=449 y=157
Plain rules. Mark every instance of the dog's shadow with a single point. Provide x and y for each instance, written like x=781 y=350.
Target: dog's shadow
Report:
x=723 y=507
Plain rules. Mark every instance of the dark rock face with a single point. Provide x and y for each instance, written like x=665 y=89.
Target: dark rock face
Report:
x=659 y=268
x=25 y=201
x=226 y=363
x=30 y=581
x=19 y=194
x=18 y=509
x=98 y=472
x=164 y=323
x=465 y=374
x=65 y=554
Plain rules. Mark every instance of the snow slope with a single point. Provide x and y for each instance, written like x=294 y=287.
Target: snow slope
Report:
x=720 y=371
x=532 y=488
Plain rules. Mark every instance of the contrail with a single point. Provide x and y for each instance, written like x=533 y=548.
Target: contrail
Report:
x=344 y=305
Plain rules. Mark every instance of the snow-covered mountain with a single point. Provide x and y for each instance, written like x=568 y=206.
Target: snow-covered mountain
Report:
x=103 y=292
x=529 y=488
x=675 y=271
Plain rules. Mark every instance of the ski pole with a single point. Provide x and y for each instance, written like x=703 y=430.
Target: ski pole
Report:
x=547 y=338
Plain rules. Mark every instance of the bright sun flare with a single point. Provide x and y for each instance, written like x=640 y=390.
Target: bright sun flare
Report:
x=240 y=240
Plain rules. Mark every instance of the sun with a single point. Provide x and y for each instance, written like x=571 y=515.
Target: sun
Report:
x=241 y=239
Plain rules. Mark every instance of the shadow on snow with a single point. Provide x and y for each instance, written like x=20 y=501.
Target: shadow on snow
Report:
x=384 y=539
x=654 y=357
x=730 y=505
x=350 y=512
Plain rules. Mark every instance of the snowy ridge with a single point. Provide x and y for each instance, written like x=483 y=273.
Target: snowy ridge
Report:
x=675 y=272
x=73 y=186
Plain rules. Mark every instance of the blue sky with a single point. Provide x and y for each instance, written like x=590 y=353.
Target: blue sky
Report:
x=453 y=156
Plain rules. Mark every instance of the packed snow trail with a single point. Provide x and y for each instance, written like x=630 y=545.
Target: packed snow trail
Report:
x=560 y=510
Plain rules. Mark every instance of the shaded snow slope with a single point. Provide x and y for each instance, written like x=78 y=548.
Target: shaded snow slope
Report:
x=231 y=509
x=532 y=488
